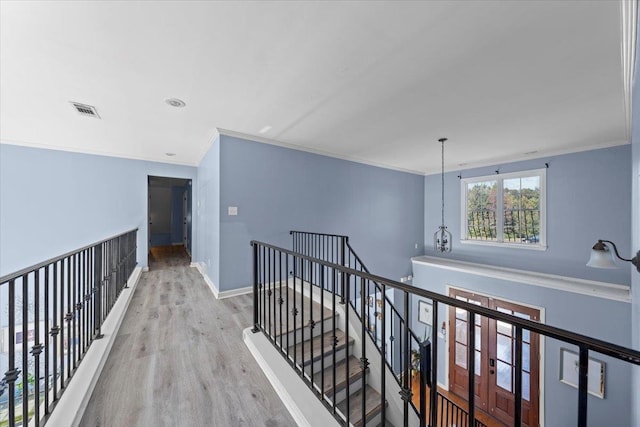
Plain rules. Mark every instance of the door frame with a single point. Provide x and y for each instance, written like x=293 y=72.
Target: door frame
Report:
x=542 y=343
x=189 y=182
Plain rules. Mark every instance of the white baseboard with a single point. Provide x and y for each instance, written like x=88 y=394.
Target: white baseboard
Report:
x=304 y=407
x=71 y=406
x=145 y=269
x=214 y=289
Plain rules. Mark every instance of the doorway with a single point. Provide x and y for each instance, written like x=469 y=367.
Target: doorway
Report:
x=495 y=359
x=169 y=220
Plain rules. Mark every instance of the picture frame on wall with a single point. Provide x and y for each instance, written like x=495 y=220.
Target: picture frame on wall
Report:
x=569 y=366
x=425 y=310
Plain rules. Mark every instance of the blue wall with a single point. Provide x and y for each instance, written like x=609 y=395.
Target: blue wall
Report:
x=596 y=317
x=277 y=190
x=588 y=197
x=53 y=202
x=207 y=213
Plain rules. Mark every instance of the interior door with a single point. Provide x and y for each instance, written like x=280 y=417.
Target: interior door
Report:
x=458 y=344
x=495 y=359
x=502 y=366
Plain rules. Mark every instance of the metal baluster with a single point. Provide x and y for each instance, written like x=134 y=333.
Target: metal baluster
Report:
x=46 y=340
x=254 y=248
x=471 y=363
x=335 y=339
x=12 y=373
x=322 y=330
x=61 y=320
x=433 y=393
x=97 y=288
x=280 y=299
x=583 y=364
x=364 y=363
x=383 y=355
x=302 y=267
x=295 y=312
x=286 y=310
x=406 y=392
x=312 y=324
x=69 y=315
x=25 y=348
x=517 y=416
x=346 y=295
x=55 y=330
x=37 y=347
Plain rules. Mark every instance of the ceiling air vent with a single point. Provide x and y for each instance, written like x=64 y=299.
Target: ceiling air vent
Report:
x=85 y=110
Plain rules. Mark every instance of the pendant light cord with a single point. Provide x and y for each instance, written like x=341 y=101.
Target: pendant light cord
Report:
x=442 y=178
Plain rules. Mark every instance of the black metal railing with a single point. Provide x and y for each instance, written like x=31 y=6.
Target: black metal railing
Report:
x=54 y=311
x=271 y=282
x=336 y=249
x=519 y=225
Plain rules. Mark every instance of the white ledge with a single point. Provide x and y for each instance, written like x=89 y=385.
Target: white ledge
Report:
x=592 y=288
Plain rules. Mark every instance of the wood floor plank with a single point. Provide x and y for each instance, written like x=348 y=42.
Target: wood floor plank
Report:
x=179 y=359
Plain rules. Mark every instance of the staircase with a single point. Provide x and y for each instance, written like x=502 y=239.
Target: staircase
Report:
x=311 y=336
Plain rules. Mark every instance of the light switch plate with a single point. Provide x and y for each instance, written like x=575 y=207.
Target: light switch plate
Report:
x=233 y=210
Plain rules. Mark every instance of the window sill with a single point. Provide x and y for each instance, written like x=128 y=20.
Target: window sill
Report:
x=504 y=245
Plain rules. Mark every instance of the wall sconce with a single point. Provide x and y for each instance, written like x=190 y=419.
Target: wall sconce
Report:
x=443 y=331
x=601 y=256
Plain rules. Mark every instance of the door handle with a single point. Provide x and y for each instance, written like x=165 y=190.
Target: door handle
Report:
x=492 y=363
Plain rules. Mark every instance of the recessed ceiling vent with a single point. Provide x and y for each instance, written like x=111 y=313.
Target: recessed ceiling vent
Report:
x=85 y=110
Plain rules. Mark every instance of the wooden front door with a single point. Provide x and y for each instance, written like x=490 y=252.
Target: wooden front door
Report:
x=495 y=359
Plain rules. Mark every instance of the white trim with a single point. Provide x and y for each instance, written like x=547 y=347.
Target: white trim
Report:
x=145 y=269
x=94 y=152
x=316 y=151
x=214 y=289
x=305 y=408
x=521 y=157
x=235 y=292
x=592 y=288
x=71 y=406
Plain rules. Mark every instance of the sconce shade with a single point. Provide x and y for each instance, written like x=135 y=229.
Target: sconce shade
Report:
x=601 y=257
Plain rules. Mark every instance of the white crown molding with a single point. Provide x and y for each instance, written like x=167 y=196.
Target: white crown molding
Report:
x=94 y=152
x=522 y=157
x=263 y=140
x=592 y=288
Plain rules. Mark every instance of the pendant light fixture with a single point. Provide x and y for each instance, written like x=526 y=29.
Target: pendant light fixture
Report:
x=442 y=237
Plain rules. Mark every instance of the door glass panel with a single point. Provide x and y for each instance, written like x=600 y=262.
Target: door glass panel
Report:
x=526 y=335
x=521 y=315
x=478 y=338
x=526 y=362
x=461 y=331
x=504 y=328
x=461 y=355
x=526 y=386
x=478 y=365
x=504 y=375
x=461 y=314
x=504 y=348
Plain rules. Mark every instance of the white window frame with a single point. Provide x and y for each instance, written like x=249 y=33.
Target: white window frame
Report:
x=542 y=242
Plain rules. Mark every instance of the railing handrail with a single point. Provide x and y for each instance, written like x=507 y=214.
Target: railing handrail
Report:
x=27 y=270
x=593 y=344
x=320 y=234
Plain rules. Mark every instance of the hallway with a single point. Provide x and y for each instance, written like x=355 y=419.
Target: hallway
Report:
x=179 y=359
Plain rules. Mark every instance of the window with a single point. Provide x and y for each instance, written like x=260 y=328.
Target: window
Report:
x=505 y=209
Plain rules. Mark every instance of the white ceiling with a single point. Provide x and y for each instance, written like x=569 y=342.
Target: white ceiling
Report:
x=377 y=82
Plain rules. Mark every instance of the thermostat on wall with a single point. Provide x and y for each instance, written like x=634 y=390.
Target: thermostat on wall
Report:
x=233 y=210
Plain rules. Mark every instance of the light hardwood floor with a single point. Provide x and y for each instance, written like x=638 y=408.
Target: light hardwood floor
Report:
x=179 y=360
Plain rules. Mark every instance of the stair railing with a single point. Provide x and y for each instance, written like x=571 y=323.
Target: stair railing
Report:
x=55 y=310
x=271 y=266
x=401 y=359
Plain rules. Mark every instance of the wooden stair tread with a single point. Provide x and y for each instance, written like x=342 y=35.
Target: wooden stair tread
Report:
x=318 y=349
x=355 y=373
x=274 y=317
x=372 y=406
